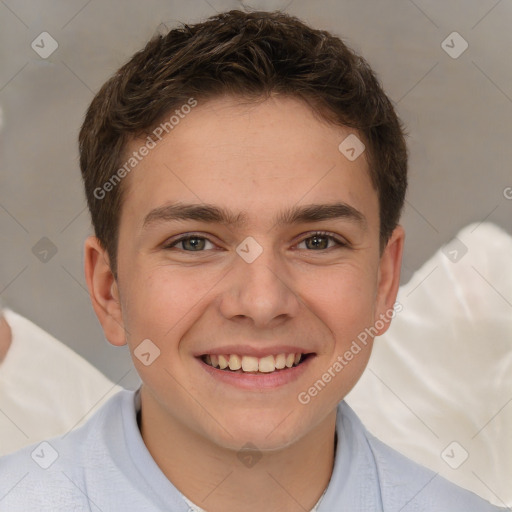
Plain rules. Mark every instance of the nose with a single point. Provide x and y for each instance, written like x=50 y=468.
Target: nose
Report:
x=261 y=292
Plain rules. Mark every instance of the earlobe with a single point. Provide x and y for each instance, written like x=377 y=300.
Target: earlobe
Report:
x=389 y=277
x=103 y=291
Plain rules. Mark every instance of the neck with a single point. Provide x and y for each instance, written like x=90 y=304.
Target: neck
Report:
x=5 y=337
x=214 y=479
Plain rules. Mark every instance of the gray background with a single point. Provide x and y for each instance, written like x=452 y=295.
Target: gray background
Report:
x=457 y=111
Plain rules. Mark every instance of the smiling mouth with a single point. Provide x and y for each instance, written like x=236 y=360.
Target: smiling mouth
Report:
x=256 y=365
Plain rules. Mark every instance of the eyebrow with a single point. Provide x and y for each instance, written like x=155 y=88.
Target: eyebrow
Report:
x=214 y=214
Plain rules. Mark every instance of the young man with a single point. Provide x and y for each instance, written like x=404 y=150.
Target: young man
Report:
x=245 y=178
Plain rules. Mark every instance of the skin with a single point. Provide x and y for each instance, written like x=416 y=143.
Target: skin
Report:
x=258 y=158
x=5 y=338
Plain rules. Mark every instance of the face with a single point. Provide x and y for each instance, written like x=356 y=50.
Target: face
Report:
x=247 y=238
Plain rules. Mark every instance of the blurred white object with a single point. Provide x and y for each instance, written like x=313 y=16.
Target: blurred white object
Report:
x=438 y=387
x=46 y=389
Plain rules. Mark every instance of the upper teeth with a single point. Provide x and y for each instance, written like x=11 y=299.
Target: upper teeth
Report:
x=265 y=364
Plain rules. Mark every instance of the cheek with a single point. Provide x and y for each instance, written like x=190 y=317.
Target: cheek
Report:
x=354 y=328
x=354 y=313
x=156 y=307
x=346 y=303
x=345 y=299
x=157 y=303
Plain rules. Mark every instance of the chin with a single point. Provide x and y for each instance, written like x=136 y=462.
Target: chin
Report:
x=265 y=430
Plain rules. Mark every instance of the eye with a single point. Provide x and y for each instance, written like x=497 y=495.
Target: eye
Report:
x=320 y=241
x=190 y=243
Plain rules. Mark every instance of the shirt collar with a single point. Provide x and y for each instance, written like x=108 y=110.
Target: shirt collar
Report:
x=354 y=483
x=354 y=479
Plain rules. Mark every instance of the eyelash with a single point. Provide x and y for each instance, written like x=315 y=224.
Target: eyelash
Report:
x=339 y=243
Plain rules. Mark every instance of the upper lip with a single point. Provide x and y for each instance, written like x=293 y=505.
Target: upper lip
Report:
x=248 y=350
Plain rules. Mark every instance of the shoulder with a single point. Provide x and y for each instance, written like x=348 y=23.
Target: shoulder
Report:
x=36 y=399
x=52 y=475
x=404 y=483
x=410 y=487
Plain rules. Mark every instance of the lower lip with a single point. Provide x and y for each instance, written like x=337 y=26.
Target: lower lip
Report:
x=256 y=382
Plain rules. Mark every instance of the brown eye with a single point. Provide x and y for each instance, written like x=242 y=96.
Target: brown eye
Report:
x=320 y=242
x=191 y=243
x=317 y=242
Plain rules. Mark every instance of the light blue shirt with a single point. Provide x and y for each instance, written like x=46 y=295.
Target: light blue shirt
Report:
x=105 y=466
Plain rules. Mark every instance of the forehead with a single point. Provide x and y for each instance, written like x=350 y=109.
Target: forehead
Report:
x=229 y=151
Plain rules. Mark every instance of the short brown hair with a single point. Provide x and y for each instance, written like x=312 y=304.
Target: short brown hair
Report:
x=252 y=55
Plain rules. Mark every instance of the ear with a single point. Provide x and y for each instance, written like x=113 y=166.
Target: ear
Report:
x=389 y=278
x=103 y=291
